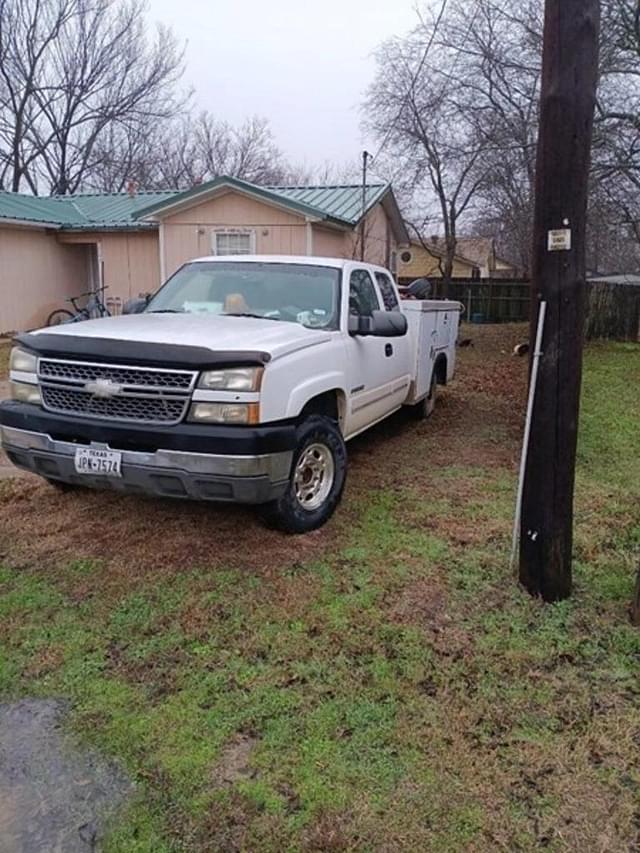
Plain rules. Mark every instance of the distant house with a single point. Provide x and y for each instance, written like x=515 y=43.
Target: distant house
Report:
x=52 y=248
x=475 y=257
x=631 y=279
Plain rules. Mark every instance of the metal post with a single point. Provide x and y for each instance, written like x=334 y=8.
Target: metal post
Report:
x=533 y=385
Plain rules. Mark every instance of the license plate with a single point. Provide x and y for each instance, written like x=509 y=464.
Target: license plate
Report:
x=107 y=463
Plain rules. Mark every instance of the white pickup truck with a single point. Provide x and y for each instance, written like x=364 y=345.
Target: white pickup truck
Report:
x=240 y=380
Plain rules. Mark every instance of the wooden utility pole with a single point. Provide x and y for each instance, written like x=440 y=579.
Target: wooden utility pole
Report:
x=569 y=81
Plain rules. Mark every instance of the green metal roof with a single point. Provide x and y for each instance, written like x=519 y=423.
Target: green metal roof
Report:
x=93 y=211
x=115 y=209
x=83 y=212
x=342 y=202
x=31 y=208
x=339 y=204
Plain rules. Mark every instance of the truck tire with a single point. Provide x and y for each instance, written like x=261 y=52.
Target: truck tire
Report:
x=425 y=408
x=317 y=479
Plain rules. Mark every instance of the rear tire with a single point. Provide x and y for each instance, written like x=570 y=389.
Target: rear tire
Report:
x=426 y=407
x=317 y=478
x=57 y=318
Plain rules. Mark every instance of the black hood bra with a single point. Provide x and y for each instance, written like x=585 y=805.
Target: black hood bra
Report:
x=144 y=353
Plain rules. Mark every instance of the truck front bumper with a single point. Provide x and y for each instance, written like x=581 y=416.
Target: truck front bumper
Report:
x=48 y=449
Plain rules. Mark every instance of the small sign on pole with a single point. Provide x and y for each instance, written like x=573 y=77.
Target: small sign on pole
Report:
x=560 y=240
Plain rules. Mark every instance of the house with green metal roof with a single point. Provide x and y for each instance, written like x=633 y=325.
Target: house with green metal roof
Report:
x=56 y=247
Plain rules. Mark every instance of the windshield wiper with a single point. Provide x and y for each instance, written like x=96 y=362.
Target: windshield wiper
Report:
x=253 y=316
x=165 y=311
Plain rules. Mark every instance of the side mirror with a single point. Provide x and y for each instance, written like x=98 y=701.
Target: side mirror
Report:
x=390 y=324
x=135 y=306
x=381 y=324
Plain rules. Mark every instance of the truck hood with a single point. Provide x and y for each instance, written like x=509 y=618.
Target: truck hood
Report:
x=220 y=334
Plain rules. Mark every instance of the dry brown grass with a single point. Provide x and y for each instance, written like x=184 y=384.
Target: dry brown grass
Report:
x=134 y=536
x=5 y=349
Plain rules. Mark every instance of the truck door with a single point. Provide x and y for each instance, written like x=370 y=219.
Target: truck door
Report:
x=378 y=368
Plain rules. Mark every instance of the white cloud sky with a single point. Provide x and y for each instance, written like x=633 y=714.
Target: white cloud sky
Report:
x=305 y=66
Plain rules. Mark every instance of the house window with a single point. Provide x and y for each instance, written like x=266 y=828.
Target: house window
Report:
x=230 y=242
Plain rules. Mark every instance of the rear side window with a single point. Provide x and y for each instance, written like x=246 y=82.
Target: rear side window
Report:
x=363 y=299
x=388 y=292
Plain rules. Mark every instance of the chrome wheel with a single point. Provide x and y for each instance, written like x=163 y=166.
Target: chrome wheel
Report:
x=314 y=476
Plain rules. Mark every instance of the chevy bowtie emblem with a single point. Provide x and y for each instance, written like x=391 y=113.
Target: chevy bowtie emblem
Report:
x=103 y=388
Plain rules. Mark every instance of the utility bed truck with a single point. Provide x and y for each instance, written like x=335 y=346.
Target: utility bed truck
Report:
x=240 y=380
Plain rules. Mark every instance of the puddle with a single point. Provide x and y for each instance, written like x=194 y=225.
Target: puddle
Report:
x=54 y=798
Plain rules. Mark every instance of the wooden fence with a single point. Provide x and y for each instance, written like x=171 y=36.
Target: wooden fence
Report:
x=490 y=300
x=613 y=310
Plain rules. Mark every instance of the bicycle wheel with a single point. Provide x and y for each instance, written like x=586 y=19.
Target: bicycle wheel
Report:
x=57 y=318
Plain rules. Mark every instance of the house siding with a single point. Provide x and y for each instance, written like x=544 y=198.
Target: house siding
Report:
x=36 y=275
x=424 y=265
x=330 y=244
x=189 y=233
x=131 y=264
x=131 y=260
x=379 y=242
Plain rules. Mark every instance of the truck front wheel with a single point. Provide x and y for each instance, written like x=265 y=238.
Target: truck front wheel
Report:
x=317 y=478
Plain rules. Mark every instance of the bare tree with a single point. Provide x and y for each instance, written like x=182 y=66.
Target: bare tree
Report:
x=414 y=109
x=497 y=49
x=189 y=150
x=248 y=151
x=455 y=106
x=72 y=71
x=615 y=207
x=28 y=33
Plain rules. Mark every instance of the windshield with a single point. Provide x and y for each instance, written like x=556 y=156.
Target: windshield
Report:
x=295 y=293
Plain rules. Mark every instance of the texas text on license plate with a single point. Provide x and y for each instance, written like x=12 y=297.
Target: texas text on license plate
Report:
x=90 y=460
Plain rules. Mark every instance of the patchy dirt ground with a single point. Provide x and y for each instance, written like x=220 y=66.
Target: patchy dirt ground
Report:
x=383 y=684
x=132 y=532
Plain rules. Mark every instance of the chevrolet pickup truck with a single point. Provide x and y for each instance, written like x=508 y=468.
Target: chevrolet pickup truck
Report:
x=241 y=379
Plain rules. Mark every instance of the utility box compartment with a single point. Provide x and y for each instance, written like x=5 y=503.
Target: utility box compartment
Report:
x=433 y=327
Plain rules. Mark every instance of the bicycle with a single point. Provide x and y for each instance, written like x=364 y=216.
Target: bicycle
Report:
x=94 y=308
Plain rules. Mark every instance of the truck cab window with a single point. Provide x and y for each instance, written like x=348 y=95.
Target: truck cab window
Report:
x=363 y=299
x=388 y=292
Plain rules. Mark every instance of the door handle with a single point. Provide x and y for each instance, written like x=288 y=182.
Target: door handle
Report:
x=388 y=350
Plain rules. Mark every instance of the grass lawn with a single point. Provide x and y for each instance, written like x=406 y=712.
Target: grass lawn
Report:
x=381 y=684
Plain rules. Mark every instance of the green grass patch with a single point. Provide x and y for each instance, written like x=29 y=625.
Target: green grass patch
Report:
x=400 y=692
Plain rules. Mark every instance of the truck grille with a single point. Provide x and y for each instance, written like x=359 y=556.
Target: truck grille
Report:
x=138 y=377
x=116 y=393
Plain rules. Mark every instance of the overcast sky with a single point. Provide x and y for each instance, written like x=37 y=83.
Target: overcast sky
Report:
x=305 y=66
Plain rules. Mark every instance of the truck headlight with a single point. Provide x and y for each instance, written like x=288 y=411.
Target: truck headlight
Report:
x=25 y=393
x=225 y=413
x=23 y=361
x=232 y=379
